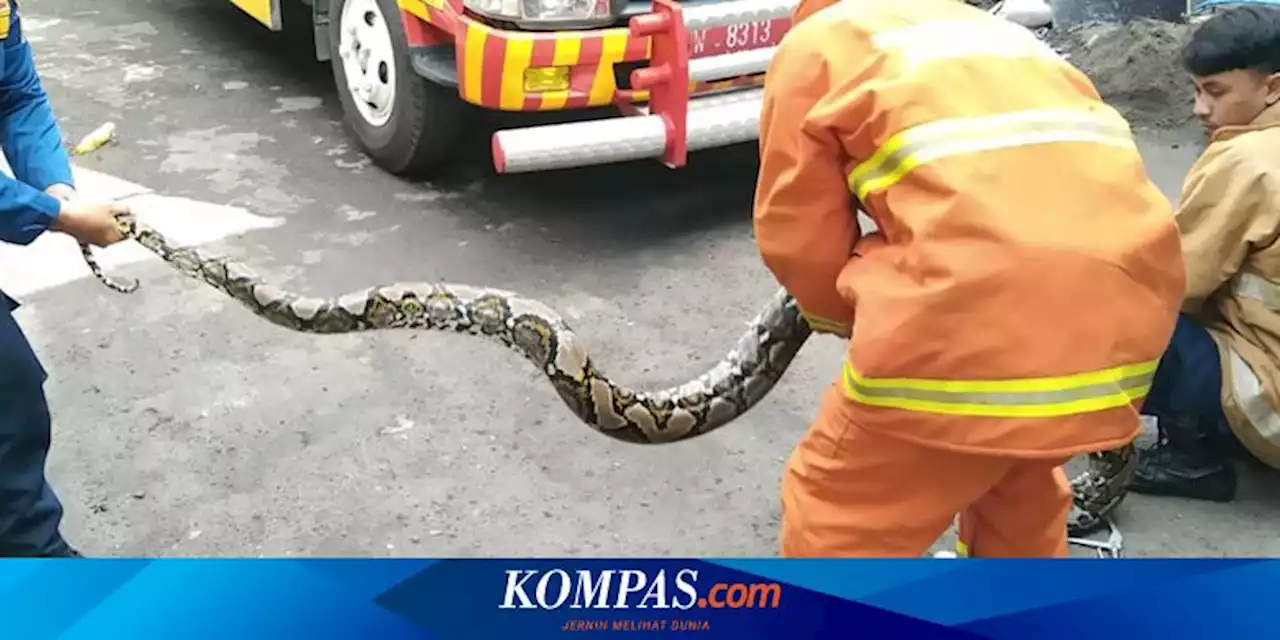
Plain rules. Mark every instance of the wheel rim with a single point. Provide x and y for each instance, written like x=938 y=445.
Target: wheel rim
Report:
x=368 y=59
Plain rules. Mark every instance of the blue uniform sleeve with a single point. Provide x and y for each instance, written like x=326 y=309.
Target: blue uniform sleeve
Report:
x=31 y=141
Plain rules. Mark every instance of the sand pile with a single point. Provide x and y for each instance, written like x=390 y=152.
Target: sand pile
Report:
x=1135 y=67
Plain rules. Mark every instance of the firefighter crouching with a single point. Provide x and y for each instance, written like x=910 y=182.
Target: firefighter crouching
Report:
x=1216 y=391
x=1010 y=311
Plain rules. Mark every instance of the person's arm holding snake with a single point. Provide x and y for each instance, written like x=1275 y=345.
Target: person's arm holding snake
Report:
x=804 y=220
x=41 y=196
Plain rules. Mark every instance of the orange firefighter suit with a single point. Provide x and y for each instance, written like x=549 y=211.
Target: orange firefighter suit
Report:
x=1010 y=310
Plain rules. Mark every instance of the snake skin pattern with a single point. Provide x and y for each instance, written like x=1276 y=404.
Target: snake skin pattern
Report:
x=729 y=389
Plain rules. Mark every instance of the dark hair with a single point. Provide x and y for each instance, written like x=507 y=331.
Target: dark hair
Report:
x=1245 y=37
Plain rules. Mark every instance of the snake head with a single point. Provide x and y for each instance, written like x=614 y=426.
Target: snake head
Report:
x=127 y=224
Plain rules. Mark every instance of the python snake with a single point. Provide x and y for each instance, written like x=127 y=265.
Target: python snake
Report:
x=731 y=387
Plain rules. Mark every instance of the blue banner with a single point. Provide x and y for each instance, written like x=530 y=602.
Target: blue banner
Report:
x=740 y=599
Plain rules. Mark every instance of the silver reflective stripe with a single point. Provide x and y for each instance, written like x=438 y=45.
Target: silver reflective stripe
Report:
x=1026 y=398
x=925 y=143
x=1253 y=402
x=1255 y=287
x=1135 y=382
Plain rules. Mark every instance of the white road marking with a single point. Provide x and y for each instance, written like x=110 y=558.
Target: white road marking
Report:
x=54 y=259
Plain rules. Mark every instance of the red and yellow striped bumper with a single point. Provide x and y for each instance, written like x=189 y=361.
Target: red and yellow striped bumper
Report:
x=492 y=63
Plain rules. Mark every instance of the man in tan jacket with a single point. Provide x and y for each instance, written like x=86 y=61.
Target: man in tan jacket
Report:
x=1217 y=390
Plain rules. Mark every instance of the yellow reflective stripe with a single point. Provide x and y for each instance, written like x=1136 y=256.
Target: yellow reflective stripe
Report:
x=819 y=323
x=951 y=39
x=1026 y=398
x=1257 y=288
x=918 y=145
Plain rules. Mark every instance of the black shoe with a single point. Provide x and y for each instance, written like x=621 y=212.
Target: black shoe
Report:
x=1168 y=470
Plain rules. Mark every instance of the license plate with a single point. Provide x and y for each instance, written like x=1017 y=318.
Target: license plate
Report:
x=737 y=37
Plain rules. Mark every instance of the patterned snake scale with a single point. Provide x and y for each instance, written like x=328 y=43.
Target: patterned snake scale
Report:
x=728 y=390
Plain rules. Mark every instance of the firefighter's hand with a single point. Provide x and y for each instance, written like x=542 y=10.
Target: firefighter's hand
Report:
x=91 y=223
x=868 y=243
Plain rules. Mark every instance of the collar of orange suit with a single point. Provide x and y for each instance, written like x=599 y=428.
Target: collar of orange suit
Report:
x=1270 y=117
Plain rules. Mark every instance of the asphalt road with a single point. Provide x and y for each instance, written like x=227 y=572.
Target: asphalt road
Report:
x=185 y=426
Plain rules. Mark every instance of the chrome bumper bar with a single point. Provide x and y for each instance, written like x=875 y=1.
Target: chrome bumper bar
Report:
x=708 y=121
x=714 y=121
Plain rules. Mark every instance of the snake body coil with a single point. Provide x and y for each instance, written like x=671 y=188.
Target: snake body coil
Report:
x=729 y=389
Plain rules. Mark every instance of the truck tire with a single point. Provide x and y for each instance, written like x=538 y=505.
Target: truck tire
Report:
x=405 y=123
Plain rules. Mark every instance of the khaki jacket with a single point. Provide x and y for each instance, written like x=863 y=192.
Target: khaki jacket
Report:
x=1230 y=220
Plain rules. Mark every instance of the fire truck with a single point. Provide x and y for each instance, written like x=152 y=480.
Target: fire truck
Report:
x=677 y=76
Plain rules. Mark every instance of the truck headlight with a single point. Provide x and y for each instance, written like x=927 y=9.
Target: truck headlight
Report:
x=546 y=13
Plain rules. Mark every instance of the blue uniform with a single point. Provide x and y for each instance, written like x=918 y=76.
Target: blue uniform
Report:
x=30 y=513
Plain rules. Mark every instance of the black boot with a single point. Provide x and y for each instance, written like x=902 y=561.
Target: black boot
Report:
x=1185 y=464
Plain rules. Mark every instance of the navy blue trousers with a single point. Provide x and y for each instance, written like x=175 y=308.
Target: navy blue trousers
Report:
x=1188 y=384
x=30 y=513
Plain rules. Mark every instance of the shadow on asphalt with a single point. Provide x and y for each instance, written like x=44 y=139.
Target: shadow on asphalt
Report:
x=622 y=205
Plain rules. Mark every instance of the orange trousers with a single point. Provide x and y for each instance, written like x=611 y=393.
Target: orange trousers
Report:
x=849 y=492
